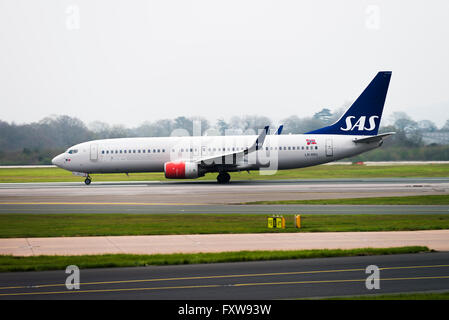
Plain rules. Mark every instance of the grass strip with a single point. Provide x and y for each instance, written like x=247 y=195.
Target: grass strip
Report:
x=70 y=225
x=12 y=175
x=399 y=296
x=39 y=263
x=407 y=200
x=73 y=225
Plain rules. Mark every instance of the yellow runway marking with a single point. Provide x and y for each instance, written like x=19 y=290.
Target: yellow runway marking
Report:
x=222 y=276
x=186 y=278
x=333 y=281
x=220 y=285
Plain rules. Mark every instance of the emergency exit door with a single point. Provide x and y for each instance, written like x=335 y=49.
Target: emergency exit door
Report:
x=329 y=148
x=94 y=152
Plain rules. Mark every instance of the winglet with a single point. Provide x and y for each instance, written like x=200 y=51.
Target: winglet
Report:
x=279 y=131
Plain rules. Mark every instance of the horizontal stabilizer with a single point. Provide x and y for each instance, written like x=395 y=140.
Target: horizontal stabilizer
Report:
x=373 y=138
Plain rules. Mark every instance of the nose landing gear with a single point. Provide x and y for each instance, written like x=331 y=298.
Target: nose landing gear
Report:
x=88 y=180
x=223 y=177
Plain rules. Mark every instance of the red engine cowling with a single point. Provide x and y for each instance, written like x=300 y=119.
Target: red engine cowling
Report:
x=181 y=170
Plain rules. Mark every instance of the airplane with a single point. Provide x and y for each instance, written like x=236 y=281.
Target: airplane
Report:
x=191 y=157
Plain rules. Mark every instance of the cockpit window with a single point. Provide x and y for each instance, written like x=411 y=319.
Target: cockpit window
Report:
x=72 y=151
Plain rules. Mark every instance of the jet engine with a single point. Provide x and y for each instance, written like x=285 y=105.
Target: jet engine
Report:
x=181 y=170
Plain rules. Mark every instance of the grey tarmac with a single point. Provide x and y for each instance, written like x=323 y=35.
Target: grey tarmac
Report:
x=106 y=208
x=206 y=192
x=282 y=279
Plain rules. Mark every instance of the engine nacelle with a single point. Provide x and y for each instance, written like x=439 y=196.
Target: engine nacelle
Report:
x=181 y=170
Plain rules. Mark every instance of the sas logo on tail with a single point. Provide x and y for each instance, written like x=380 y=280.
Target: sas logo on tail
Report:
x=360 y=124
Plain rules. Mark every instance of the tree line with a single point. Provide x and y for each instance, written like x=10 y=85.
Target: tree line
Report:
x=39 y=142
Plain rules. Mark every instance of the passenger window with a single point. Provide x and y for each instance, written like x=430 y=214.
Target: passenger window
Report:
x=107 y=151
x=138 y=151
x=163 y=150
x=316 y=148
x=289 y=148
x=124 y=151
x=102 y=152
x=158 y=150
x=302 y=148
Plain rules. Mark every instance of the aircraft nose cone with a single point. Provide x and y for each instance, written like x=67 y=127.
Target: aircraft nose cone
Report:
x=57 y=161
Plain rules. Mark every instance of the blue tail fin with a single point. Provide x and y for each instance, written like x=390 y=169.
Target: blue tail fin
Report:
x=363 y=117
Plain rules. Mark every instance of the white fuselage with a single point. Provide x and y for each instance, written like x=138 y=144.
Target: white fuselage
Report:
x=150 y=154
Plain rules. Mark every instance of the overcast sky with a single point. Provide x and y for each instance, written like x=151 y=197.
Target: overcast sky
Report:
x=131 y=61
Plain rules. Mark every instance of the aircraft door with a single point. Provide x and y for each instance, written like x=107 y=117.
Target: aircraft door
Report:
x=329 y=148
x=94 y=152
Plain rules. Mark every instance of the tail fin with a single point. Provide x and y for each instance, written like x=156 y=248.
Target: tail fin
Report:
x=363 y=117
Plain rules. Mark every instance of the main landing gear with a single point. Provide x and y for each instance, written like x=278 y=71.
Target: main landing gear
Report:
x=223 y=177
x=88 y=180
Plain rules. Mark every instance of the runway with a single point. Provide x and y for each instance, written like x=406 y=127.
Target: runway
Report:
x=205 y=192
x=105 y=208
x=256 y=280
x=211 y=198
x=283 y=279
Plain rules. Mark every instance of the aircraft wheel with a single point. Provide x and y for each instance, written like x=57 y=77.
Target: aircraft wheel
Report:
x=87 y=181
x=223 y=177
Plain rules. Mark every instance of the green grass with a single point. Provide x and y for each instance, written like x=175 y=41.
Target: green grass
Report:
x=400 y=296
x=316 y=172
x=410 y=200
x=39 y=263
x=65 y=225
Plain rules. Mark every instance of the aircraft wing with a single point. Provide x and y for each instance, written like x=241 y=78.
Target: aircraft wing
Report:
x=373 y=138
x=230 y=159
